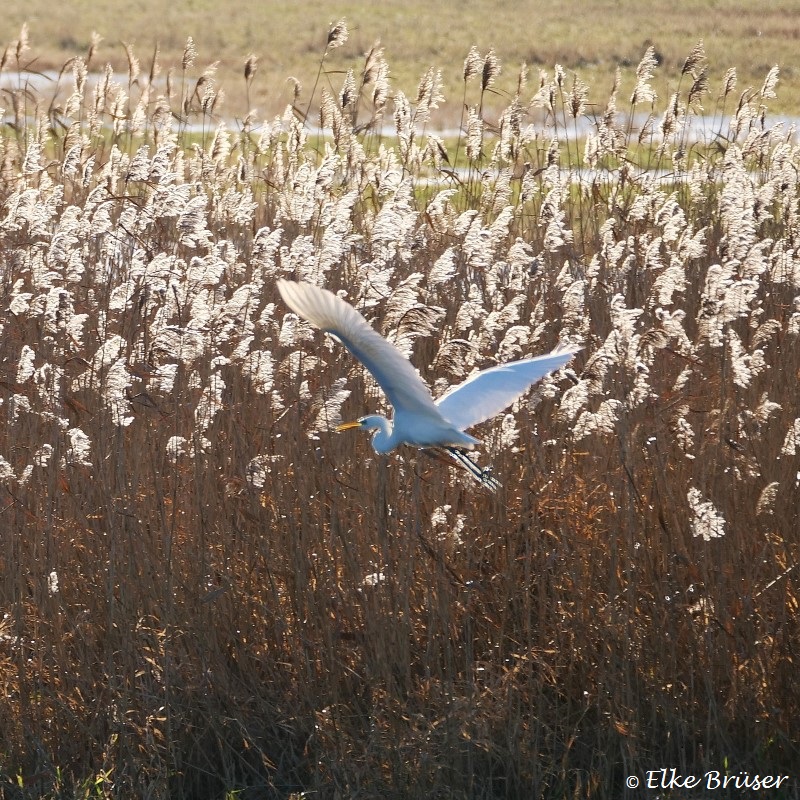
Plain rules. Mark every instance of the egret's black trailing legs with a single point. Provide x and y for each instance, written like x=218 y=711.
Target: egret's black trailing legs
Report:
x=483 y=476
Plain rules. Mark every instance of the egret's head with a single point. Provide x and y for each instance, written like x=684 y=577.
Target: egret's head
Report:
x=382 y=431
x=371 y=423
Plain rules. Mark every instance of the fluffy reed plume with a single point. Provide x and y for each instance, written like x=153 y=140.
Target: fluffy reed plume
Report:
x=490 y=71
x=250 y=67
x=473 y=64
x=189 y=54
x=696 y=59
x=205 y=591
x=22 y=45
x=729 y=81
x=643 y=91
x=337 y=35
x=578 y=95
x=134 y=67
x=429 y=95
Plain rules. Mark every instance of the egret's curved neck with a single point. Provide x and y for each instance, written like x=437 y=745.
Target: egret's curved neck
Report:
x=383 y=438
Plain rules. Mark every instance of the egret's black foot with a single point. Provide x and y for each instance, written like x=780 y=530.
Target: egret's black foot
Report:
x=488 y=480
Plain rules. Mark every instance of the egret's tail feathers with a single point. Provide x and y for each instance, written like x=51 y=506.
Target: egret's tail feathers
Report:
x=483 y=476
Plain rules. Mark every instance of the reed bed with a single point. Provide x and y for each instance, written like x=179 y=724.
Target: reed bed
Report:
x=206 y=593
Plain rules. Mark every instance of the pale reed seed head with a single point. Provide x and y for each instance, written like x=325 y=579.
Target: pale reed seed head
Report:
x=372 y=64
x=591 y=150
x=474 y=135
x=544 y=78
x=189 y=54
x=617 y=81
x=210 y=72
x=670 y=124
x=522 y=78
x=297 y=88
x=328 y=109
x=221 y=145
x=348 y=95
x=429 y=94
x=646 y=67
x=337 y=35
x=729 y=82
x=510 y=130
x=699 y=88
x=425 y=87
x=696 y=58
x=133 y=63
x=380 y=90
x=544 y=94
x=250 y=67
x=491 y=69
x=770 y=82
x=436 y=151
x=22 y=46
x=94 y=43
x=766 y=501
x=402 y=115
x=576 y=103
x=707 y=522
x=791 y=444
x=211 y=99
x=79 y=73
x=155 y=67
x=162 y=115
x=473 y=64
x=553 y=152
x=643 y=92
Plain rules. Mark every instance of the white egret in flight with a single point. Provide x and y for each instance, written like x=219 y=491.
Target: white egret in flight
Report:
x=418 y=419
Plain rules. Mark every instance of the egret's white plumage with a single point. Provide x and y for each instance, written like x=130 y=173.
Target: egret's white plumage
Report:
x=418 y=420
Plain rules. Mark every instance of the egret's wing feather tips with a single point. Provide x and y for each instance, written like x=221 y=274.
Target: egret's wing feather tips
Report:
x=487 y=393
x=390 y=368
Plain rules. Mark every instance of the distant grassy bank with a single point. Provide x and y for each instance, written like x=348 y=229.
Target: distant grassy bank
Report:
x=592 y=38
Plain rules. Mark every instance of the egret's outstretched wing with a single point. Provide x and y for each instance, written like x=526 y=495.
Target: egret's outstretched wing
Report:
x=390 y=368
x=489 y=392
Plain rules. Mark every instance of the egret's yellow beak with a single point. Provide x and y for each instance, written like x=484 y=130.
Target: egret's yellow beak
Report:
x=346 y=426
